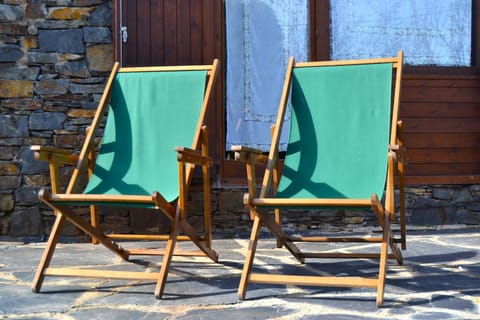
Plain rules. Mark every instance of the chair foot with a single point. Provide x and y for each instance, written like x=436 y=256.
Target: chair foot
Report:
x=241 y=296
x=158 y=294
x=214 y=256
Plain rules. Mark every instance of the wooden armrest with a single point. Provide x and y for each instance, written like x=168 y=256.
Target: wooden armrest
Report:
x=58 y=155
x=193 y=156
x=243 y=153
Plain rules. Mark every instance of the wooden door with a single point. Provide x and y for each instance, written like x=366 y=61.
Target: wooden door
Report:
x=174 y=32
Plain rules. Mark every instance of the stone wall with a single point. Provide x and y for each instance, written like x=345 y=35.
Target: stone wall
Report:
x=54 y=60
x=426 y=206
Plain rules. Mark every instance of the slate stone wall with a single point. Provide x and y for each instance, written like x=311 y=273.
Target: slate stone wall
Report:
x=54 y=60
x=55 y=56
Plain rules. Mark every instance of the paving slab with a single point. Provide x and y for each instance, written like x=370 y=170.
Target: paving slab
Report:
x=440 y=279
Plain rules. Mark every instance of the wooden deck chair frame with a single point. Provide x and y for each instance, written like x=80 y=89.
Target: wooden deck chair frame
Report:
x=188 y=158
x=260 y=205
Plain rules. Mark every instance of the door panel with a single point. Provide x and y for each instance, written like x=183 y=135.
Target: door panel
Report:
x=176 y=32
x=171 y=32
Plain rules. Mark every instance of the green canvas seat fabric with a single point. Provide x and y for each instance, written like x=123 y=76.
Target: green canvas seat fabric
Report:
x=150 y=113
x=339 y=132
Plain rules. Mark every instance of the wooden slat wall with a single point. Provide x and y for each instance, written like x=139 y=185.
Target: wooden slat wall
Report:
x=441 y=117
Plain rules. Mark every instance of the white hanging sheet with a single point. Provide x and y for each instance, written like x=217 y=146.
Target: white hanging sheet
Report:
x=261 y=36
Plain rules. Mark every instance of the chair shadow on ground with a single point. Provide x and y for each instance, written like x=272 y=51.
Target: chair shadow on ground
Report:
x=418 y=274
x=182 y=274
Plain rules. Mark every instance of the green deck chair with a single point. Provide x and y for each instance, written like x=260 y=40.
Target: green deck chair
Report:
x=153 y=138
x=343 y=151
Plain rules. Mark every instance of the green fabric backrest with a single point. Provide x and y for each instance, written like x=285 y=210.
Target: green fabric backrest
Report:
x=150 y=113
x=340 y=131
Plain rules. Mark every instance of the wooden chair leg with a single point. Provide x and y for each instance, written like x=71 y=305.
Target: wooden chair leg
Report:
x=54 y=233
x=401 y=186
x=167 y=258
x=207 y=212
x=247 y=267
x=93 y=209
x=383 y=261
x=403 y=218
x=278 y=220
x=48 y=252
x=251 y=181
x=275 y=181
x=94 y=221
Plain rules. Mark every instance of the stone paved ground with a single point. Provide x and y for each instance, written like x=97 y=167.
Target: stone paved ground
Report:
x=440 y=279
